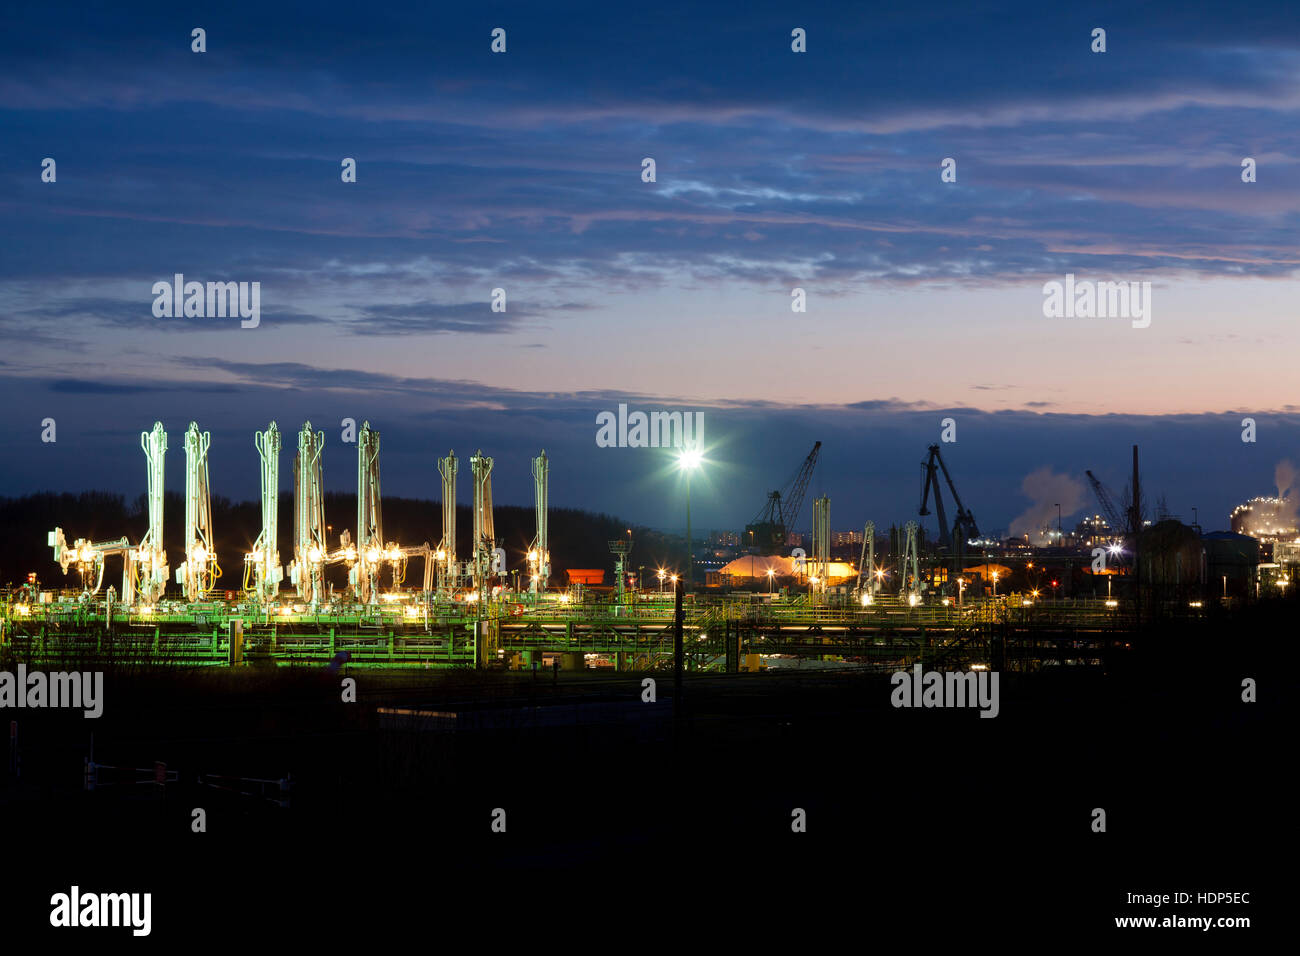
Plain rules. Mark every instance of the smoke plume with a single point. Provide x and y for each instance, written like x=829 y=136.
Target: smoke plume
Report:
x=1046 y=489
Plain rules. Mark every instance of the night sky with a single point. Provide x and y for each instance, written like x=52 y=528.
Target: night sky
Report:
x=775 y=170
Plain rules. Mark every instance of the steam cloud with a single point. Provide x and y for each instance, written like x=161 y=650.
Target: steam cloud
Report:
x=1284 y=476
x=1045 y=489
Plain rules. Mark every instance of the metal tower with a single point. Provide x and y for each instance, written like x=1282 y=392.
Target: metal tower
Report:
x=910 y=570
x=306 y=570
x=447 y=468
x=364 y=577
x=821 y=543
x=620 y=549
x=868 y=580
x=265 y=556
x=151 y=560
x=199 y=569
x=484 y=529
x=539 y=555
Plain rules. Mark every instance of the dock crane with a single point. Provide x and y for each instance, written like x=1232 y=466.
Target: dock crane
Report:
x=773 y=524
x=963 y=527
x=1118 y=525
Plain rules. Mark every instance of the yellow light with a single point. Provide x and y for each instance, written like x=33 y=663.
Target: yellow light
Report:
x=441 y=555
x=564 y=598
x=87 y=554
x=372 y=555
x=913 y=600
x=412 y=612
x=146 y=610
x=866 y=600
x=21 y=609
x=351 y=553
x=532 y=555
x=200 y=553
x=314 y=554
x=1112 y=603
x=673 y=579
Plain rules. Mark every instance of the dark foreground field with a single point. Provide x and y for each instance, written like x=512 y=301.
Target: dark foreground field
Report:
x=620 y=817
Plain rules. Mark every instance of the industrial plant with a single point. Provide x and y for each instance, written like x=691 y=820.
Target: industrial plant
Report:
x=878 y=598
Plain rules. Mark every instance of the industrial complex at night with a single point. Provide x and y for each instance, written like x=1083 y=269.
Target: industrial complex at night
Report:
x=575 y=475
x=769 y=597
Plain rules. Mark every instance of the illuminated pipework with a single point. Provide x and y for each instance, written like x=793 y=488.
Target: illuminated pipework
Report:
x=264 y=559
x=306 y=569
x=539 y=554
x=821 y=544
x=199 y=570
x=151 y=560
x=446 y=555
x=485 y=559
x=364 y=575
x=910 y=571
x=868 y=580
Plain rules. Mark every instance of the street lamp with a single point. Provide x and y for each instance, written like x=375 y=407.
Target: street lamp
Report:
x=1060 y=541
x=661 y=573
x=995 y=584
x=688 y=460
x=770 y=573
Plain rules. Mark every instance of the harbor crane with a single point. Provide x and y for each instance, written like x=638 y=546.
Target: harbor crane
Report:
x=963 y=527
x=1118 y=525
x=771 y=527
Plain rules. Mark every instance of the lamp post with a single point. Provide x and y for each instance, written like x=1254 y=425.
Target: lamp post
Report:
x=660 y=573
x=688 y=460
x=1060 y=541
x=770 y=573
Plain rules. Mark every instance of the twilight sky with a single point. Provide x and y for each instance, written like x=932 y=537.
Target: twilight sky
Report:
x=522 y=171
